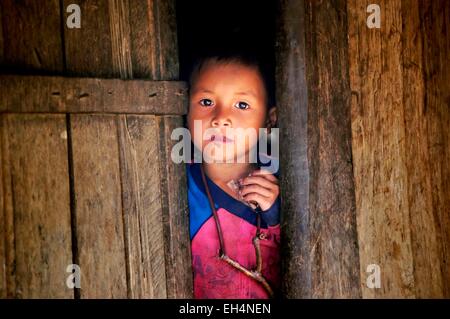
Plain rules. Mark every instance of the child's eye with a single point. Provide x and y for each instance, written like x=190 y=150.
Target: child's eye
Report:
x=206 y=102
x=242 y=105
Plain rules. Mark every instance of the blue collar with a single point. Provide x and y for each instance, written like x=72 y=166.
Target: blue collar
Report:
x=222 y=199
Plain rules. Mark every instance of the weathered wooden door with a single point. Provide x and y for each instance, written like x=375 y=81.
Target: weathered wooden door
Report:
x=86 y=176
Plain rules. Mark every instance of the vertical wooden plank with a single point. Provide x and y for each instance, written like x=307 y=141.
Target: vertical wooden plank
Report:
x=426 y=245
x=124 y=38
x=318 y=222
x=2 y=45
x=95 y=149
x=364 y=68
x=154 y=55
x=88 y=49
x=136 y=39
x=98 y=206
x=30 y=40
x=119 y=19
x=294 y=187
x=362 y=106
x=435 y=17
x=333 y=238
x=31 y=35
x=40 y=205
x=141 y=194
x=175 y=214
x=379 y=149
x=160 y=47
x=3 y=284
x=9 y=285
x=146 y=274
x=390 y=163
x=154 y=39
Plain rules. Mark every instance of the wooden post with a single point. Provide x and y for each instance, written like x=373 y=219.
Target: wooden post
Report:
x=435 y=17
x=318 y=211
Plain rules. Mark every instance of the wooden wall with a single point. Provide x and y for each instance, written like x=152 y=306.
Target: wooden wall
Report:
x=86 y=173
x=401 y=127
x=389 y=86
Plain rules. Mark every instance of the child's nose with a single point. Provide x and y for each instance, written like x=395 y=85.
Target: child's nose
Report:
x=221 y=118
x=221 y=122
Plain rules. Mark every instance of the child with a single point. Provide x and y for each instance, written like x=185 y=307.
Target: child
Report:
x=234 y=205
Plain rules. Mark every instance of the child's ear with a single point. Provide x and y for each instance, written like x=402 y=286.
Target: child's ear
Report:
x=271 y=118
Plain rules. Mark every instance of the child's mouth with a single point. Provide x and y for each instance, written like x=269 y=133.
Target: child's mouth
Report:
x=221 y=139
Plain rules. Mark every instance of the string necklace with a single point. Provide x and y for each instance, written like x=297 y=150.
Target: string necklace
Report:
x=256 y=273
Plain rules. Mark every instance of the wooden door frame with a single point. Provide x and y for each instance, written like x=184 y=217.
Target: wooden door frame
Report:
x=319 y=235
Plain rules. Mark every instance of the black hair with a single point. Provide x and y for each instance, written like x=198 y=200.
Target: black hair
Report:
x=245 y=59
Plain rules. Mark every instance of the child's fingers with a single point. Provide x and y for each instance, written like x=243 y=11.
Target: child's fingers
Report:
x=266 y=174
x=262 y=181
x=260 y=187
x=254 y=188
x=262 y=201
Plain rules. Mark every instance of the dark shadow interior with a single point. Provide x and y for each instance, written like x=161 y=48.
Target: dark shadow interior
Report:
x=206 y=27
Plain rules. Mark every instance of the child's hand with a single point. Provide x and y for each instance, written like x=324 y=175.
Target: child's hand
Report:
x=260 y=187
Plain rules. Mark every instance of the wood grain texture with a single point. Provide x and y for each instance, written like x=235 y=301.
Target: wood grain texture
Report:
x=435 y=17
x=34 y=165
x=2 y=227
x=123 y=39
x=141 y=195
x=2 y=40
x=87 y=95
x=318 y=223
x=426 y=245
x=295 y=215
x=37 y=209
x=333 y=240
x=154 y=39
x=9 y=285
x=4 y=197
x=174 y=213
x=140 y=42
x=31 y=36
x=146 y=276
x=379 y=148
x=119 y=23
x=88 y=50
x=98 y=206
x=400 y=133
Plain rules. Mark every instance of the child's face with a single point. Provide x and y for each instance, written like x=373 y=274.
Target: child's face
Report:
x=227 y=96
